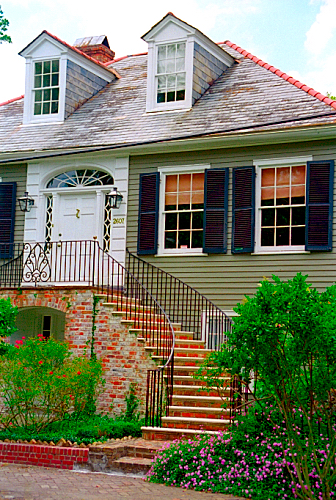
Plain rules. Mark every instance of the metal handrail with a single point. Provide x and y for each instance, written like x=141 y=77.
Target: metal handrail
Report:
x=84 y=262
x=184 y=305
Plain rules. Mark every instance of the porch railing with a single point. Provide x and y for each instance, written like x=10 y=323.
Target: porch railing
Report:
x=85 y=263
x=183 y=304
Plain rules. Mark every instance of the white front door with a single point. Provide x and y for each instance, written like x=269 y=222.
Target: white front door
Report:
x=78 y=217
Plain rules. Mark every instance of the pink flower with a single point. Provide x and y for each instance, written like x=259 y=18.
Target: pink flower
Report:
x=50 y=373
x=78 y=373
x=40 y=362
x=23 y=338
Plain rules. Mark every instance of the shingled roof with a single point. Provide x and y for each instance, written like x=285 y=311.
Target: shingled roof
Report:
x=249 y=96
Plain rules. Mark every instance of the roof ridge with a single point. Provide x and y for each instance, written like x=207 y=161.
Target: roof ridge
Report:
x=282 y=74
x=125 y=57
x=12 y=100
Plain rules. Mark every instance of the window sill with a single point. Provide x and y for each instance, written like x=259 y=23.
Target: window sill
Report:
x=182 y=254
x=287 y=252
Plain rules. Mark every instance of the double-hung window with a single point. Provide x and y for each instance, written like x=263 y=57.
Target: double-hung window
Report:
x=170 y=73
x=183 y=211
x=282 y=207
x=46 y=87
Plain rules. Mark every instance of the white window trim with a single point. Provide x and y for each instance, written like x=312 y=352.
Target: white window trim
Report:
x=264 y=163
x=152 y=105
x=164 y=171
x=28 y=116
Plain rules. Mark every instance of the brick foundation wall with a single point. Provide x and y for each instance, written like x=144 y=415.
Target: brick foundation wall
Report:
x=45 y=456
x=123 y=356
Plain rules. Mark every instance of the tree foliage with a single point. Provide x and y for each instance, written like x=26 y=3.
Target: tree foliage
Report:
x=283 y=348
x=4 y=23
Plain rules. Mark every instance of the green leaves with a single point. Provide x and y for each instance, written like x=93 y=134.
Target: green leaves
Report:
x=4 y=23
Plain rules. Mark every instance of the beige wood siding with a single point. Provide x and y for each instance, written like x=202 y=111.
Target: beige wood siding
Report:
x=16 y=173
x=227 y=278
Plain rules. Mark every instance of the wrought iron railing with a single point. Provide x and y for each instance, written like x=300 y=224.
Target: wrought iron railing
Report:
x=183 y=304
x=84 y=262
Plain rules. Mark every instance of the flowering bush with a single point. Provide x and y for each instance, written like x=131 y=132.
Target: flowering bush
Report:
x=257 y=465
x=7 y=323
x=40 y=383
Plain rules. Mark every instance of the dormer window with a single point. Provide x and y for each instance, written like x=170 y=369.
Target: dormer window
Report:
x=46 y=87
x=171 y=75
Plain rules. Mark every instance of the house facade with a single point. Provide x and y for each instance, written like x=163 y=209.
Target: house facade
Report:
x=224 y=163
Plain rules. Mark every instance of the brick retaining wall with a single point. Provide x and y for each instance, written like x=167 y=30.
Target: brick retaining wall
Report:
x=123 y=356
x=45 y=456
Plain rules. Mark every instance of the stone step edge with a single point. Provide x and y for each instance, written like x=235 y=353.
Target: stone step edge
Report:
x=190 y=397
x=205 y=421
x=202 y=409
x=178 y=431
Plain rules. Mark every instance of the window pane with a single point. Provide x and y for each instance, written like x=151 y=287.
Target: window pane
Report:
x=298 y=235
x=170 y=239
x=54 y=107
x=38 y=68
x=298 y=216
x=180 y=64
x=267 y=237
x=46 y=80
x=38 y=96
x=171 y=222
x=267 y=217
x=184 y=239
x=171 y=96
x=180 y=95
x=282 y=196
x=267 y=196
x=46 y=95
x=185 y=182
x=54 y=80
x=171 y=82
x=299 y=175
x=161 y=67
x=197 y=239
x=180 y=81
x=197 y=220
x=171 y=184
x=197 y=200
x=46 y=108
x=162 y=52
x=54 y=94
x=198 y=182
x=161 y=97
x=184 y=201
x=46 y=67
x=282 y=236
x=282 y=178
x=171 y=201
x=171 y=51
x=38 y=82
x=267 y=177
x=184 y=220
x=180 y=50
x=298 y=195
x=170 y=66
x=37 y=109
x=55 y=66
x=283 y=215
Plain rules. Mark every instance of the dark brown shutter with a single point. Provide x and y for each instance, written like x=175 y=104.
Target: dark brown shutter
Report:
x=7 y=218
x=148 y=213
x=319 y=211
x=243 y=196
x=215 y=210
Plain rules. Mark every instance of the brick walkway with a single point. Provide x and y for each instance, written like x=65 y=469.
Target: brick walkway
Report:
x=22 y=482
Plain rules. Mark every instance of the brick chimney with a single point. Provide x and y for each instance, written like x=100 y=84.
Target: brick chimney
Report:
x=96 y=47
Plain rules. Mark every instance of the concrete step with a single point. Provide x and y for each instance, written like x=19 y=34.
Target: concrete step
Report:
x=188 y=380
x=132 y=465
x=208 y=424
x=199 y=401
x=196 y=390
x=198 y=412
x=186 y=361
x=165 y=434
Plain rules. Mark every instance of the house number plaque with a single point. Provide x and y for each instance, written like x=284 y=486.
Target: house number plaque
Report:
x=118 y=220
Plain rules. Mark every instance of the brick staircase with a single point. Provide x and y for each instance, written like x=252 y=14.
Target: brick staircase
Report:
x=194 y=410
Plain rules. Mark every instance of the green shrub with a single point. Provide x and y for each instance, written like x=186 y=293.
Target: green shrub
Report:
x=7 y=324
x=41 y=383
x=80 y=430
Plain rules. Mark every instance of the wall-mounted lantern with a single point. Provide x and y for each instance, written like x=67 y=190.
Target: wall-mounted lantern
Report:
x=26 y=202
x=114 y=198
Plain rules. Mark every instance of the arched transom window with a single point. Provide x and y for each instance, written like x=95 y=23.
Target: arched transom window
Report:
x=85 y=177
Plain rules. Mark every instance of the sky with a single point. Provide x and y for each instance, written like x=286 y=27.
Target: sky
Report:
x=296 y=36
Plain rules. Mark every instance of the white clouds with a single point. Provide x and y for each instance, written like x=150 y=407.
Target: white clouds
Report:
x=323 y=29
x=320 y=45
